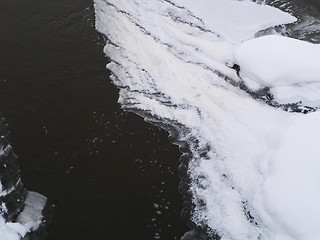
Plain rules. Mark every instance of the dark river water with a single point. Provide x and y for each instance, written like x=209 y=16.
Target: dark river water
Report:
x=109 y=174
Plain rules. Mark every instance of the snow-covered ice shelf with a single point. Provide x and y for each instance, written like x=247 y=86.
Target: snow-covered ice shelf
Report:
x=254 y=166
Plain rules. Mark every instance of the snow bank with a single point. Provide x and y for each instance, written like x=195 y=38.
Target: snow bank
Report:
x=289 y=67
x=289 y=199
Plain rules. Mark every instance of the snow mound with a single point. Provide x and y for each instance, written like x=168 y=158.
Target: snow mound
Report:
x=288 y=67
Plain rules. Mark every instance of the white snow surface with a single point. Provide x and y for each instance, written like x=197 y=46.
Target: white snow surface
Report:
x=12 y=231
x=289 y=67
x=289 y=199
x=228 y=18
x=171 y=59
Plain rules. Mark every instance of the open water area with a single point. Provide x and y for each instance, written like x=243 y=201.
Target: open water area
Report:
x=109 y=174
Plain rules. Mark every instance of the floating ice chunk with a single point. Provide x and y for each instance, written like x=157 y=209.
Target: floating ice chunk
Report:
x=289 y=67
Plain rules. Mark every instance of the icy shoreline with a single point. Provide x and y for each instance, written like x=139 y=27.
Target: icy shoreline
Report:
x=170 y=59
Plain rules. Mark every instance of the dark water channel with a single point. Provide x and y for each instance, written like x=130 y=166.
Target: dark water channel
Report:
x=109 y=174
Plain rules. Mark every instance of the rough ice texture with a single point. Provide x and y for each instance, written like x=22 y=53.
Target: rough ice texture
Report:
x=254 y=167
x=20 y=210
